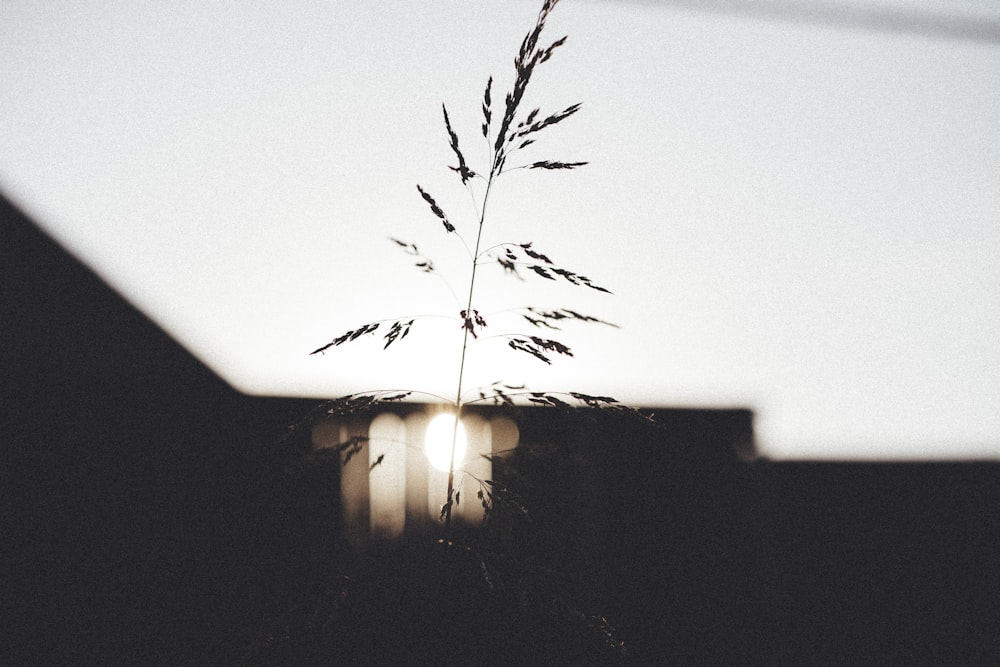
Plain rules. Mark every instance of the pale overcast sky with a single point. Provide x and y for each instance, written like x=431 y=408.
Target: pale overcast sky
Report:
x=796 y=213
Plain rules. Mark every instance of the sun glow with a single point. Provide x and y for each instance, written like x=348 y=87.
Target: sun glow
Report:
x=437 y=443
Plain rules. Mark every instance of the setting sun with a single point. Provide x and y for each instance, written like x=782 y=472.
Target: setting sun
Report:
x=438 y=441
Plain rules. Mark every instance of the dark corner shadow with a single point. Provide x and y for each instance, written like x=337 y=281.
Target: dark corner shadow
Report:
x=122 y=460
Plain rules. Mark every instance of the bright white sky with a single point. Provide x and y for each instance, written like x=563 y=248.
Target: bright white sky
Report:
x=797 y=216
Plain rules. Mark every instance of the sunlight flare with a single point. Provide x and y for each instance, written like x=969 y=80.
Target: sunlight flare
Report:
x=438 y=441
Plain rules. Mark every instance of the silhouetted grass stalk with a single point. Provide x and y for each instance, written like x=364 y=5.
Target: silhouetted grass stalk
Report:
x=516 y=132
x=461 y=364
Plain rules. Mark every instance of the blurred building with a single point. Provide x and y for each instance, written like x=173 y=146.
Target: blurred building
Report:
x=148 y=508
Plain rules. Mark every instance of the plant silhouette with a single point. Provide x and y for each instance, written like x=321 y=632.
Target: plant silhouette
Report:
x=490 y=586
x=509 y=130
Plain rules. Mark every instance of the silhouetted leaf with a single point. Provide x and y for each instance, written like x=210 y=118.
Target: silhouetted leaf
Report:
x=541 y=271
x=545 y=54
x=462 y=169
x=537 y=126
x=423 y=263
x=355 y=403
x=534 y=254
x=548 y=400
x=546 y=164
x=472 y=320
x=348 y=448
x=436 y=210
x=499 y=395
x=399 y=330
x=353 y=334
x=526 y=121
x=551 y=345
x=577 y=279
x=534 y=346
x=487 y=112
x=546 y=318
x=593 y=401
x=409 y=247
x=509 y=267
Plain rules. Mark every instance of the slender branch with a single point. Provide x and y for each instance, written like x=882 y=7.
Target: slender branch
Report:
x=461 y=365
x=450 y=289
x=494 y=247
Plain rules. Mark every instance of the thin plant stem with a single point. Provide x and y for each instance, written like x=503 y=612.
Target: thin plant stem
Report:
x=461 y=365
